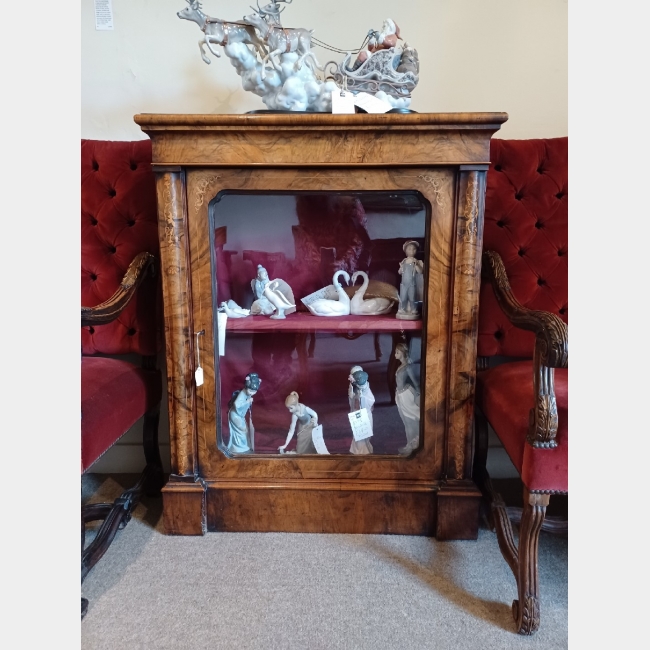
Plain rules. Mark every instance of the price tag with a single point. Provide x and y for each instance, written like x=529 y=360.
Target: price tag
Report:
x=328 y=293
x=360 y=423
x=317 y=439
x=342 y=103
x=222 y=321
x=198 y=376
x=371 y=104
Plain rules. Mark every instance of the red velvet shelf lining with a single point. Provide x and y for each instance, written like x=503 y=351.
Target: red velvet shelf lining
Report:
x=303 y=322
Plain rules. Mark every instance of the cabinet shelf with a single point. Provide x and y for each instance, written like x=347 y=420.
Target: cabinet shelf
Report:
x=304 y=322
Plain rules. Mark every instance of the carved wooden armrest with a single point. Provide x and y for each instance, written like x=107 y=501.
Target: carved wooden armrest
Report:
x=551 y=350
x=110 y=309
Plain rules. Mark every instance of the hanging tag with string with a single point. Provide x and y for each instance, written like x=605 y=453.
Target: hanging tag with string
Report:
x=198 y=373
x=343 y=100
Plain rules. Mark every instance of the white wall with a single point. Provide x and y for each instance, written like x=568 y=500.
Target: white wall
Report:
x=475 y=55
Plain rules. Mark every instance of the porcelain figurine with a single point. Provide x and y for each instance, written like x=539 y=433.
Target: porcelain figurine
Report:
x=410 y=268
x=273 y=297
x=372 y=306
x=304 y=420
x=233 y=310
x=277 y=63
x=240 y=419
x=360 y=396
x=273 y=294
x=327 y=307
x=261 y=305
x=407 y=398
x=351 y=387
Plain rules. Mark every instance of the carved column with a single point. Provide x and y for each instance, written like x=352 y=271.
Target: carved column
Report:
x=174 y=255
x=464 y=324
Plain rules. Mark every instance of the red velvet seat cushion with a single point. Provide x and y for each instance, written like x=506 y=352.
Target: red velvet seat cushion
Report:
x=505 y=396
x=115 y=394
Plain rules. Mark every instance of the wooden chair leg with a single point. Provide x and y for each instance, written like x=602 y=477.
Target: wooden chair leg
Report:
x=526 y=610
x=522 y=558
x=155 y=479
x=479 y=469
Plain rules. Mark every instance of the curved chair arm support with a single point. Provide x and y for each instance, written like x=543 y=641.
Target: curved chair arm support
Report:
x=551 y=350
x=110 y=309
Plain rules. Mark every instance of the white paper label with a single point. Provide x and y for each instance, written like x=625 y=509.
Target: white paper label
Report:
x=342 y=103
x=198 y=376
x=222 y=321
x=327 y=293
x=103 y=14
x=371 y=104
x=317 y=439
x=360 y=423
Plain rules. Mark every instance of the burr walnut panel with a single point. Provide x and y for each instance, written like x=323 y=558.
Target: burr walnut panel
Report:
x=442 y=158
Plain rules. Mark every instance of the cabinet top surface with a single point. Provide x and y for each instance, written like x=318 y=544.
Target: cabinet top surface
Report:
x=163 y=121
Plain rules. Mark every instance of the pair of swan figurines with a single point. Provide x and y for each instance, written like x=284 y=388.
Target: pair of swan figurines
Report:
x=272 y=293
x=353 y=301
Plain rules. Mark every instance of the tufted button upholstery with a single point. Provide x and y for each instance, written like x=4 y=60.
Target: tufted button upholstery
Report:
x=118 y=221
x=526 y=222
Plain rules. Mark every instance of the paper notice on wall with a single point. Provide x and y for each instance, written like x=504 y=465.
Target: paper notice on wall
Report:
x=222 y=322
x=103 y=15
x=317 y=439
x=360 y=423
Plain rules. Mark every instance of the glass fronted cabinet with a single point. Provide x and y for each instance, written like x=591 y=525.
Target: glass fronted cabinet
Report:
x=320 y=278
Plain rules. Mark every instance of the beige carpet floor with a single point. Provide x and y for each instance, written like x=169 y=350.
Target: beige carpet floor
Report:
x=273 y=591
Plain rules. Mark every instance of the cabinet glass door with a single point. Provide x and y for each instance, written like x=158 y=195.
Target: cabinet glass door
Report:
x=321 y=310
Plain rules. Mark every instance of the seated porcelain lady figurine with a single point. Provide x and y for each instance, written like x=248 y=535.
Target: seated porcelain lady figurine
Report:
x=233 y=310
x=305 y=420
x=242 y=432
x=261 y=304
x=274 y=297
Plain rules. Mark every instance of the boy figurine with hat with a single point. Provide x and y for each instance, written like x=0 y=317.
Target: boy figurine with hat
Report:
x=409 y=269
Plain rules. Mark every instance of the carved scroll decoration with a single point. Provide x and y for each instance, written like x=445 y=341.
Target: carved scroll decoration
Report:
x=471 y=209
x=168 y=212
x=436 y=186
x=201 y=188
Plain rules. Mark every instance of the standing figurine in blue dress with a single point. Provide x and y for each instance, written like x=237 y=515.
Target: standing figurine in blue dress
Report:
x=242 y=431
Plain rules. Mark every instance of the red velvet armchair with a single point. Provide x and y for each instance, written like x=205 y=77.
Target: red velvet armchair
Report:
x=122 y=315
x=523 y=315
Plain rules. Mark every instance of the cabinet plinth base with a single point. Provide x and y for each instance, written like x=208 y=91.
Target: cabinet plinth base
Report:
x=447 y=510
x=183 y=506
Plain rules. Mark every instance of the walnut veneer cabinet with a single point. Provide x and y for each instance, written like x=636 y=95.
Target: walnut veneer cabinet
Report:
x=303 y=195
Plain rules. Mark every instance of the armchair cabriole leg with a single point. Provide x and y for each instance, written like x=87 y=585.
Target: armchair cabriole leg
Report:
x=479 y=469
x=115 y=516
x=155 y=479
x=526 y=610
x=522 y=559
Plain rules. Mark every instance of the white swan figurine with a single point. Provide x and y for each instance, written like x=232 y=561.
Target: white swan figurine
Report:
x=233 y=310
x=370 y=307
x=340 y=307
x=277 y=299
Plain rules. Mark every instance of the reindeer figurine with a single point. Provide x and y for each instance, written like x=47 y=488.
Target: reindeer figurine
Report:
x=281 y=40
x=220 y=32
x=271 y=12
